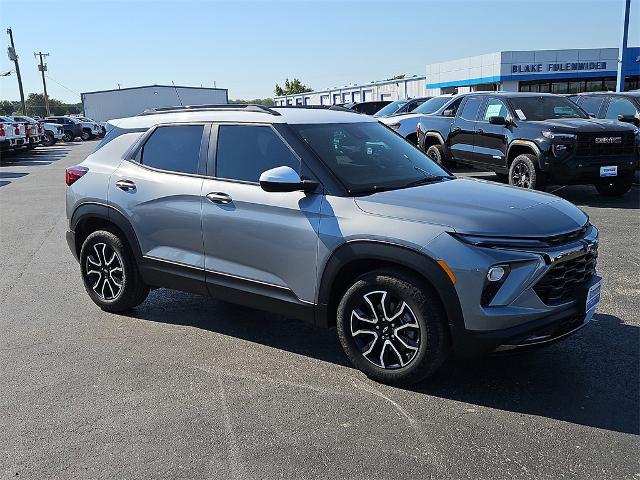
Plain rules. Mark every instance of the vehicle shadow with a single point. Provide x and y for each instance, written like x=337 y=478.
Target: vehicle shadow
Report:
x=38 y=156
x=590 y=378
x=587 y=195
x=10 y=175
x=179 y=308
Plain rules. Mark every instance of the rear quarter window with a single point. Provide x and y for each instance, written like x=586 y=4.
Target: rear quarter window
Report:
x=114 y=132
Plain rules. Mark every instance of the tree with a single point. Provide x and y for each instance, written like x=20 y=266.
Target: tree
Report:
x=6 y=107
x=36 y=106
x=291 y=88
x=267 y=102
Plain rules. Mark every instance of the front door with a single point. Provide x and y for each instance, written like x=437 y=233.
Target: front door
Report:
x=257 y=241
x=463 y=130
x=491 y=140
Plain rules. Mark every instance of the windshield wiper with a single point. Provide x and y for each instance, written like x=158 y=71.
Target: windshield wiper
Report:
x=427 y=180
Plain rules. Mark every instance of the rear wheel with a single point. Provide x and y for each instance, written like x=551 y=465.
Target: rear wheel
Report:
x=68 y=136
x=524 y=174
x=110 y=273
x=392 y=327
x=49 y=139
x=615 y=187
x=86 y=135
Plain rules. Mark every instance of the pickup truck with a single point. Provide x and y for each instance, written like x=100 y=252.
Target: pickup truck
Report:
x=533 y=139
x=33 y=129
x=90 y=128
x=52 y=133
x=405 y=123
x=12 y=135
x=72 y=127
x=620 y=106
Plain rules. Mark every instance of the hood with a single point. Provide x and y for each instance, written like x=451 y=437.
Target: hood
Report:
x=396 y=118
x=584 y=125
x=478 y=207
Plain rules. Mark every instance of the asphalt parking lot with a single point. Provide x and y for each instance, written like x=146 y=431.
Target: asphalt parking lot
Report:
x=190 y=387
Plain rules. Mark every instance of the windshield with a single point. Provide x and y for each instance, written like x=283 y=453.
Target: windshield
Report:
x=369 y=157
x=432 y=105
x=390 y=109
x=545 y=108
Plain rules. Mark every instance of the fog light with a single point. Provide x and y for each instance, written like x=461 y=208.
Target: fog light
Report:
x=495 y=274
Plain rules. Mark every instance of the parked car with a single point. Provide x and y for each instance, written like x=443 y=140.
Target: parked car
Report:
x=405 y=123
x=90 y=128
x=52 y=133
x=620 y=106
x=400 y=106
x=12 y=134
x=331 y=217
x=34 y=130
x=72 y=127
x=534 y=138
x=367 y=108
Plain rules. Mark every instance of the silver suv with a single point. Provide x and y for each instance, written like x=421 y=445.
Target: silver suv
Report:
x=331 y=217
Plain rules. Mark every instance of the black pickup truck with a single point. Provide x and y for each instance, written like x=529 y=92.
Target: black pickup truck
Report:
x=532 y=139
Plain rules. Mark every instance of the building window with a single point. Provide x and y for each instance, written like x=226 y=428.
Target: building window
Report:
x=632 y=83
x=486 y=87
x=570 y=86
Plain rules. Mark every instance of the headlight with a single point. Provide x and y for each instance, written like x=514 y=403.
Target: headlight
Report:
x=500 y=242
x=560 y=137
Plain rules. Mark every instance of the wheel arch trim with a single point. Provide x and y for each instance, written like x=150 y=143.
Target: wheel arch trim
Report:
x=397 y=254
x=525 y=143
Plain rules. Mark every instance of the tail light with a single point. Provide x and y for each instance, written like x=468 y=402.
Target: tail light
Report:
x=73 y=174
x=2 y=132
x=40 y=128
x=27 y=129
x=17 y=127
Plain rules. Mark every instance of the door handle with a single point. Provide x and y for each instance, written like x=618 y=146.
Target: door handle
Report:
x=125 y=185
x=219 y=197
x=455 y=129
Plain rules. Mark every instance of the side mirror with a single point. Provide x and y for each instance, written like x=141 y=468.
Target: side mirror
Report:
x=449 y=113
x=498 y=120
x=592 y=115
x=284 y=179
x=627 y=118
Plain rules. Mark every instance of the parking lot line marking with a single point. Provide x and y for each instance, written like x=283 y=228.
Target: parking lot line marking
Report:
x=236 y=466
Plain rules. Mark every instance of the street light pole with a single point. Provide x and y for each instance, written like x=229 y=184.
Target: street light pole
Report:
x=42 y=67
x=14 y=57
x=623 y=46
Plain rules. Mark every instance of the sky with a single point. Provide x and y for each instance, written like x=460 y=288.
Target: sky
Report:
x=249 y=46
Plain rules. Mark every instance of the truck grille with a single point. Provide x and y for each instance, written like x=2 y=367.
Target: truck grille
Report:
x=587 y=147
x=562 y=279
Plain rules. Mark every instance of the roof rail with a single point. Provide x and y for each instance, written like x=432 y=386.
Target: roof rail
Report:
x=243 y=107
x=318 y=107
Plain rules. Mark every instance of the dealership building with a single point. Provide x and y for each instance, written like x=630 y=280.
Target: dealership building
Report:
x=554 y=71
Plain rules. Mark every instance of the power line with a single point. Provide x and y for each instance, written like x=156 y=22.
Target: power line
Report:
x=63 y=86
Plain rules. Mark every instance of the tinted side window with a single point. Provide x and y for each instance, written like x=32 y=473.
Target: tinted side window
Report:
x=471 y=107
x=620 y=106
x=592 y=105
x=175 y=148
x=245 y=152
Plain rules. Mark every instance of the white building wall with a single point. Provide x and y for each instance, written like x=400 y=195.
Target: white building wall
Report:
x=128 y=102
x=410 y=87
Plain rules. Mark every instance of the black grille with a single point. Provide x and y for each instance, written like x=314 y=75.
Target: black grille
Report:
x=567 y=237
x=587 y=147
x=561 y=280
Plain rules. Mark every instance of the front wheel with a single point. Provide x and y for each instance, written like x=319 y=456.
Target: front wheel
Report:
x=68 y=136
x=86 y=135
x=614 y=188
x=524 y=174
x=110 y=273
x=49 y=140
x=436 y=153
x=392 y=327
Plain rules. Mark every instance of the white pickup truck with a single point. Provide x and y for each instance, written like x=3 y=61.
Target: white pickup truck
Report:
x=33 y=129
x=52 y=133
x=12 y=134
x=90 y=128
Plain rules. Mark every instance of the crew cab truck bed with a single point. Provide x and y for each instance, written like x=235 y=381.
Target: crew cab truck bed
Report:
x=533 y=139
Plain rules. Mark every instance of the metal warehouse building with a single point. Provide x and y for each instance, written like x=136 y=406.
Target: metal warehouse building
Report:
x=555 y=71
x=126 y=102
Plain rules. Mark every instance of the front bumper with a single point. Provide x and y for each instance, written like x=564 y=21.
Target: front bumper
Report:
x=586 y=170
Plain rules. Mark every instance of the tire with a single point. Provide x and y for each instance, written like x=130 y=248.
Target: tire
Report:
x=99 y=253
x=31 y=145
x=524 y=174
x=49 y=140
x=411 y=302
x=86 y=135
x=614 y=188
x=68 y=136
x=436 y=153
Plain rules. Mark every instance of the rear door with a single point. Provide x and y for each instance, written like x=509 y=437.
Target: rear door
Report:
x=463 y=130
x=159 y=192
x=492 y=140
x=257 y=241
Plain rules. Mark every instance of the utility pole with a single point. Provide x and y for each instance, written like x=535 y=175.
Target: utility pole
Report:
x=623 y=46
x=43 y=67
x=14 y=58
